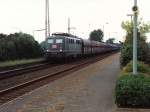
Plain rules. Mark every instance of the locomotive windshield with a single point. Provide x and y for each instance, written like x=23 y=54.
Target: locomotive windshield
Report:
x=59 y=41
x=50 y=41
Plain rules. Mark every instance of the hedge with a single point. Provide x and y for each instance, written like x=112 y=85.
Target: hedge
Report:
x=133 y=91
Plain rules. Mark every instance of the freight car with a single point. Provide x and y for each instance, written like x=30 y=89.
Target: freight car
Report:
x=64 y=45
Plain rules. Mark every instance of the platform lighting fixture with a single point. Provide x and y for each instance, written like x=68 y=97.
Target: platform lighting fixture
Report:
x=37 y=31
x=131 y=16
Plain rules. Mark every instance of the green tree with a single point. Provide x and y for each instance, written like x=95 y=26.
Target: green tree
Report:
x=18 y=46
x=96 y=35
x=127 y=48
x=2 y=36
x=149 y=44
x=110 y=40
x=43 y=45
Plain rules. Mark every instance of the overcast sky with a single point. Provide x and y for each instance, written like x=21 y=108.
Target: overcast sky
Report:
x=85 y=15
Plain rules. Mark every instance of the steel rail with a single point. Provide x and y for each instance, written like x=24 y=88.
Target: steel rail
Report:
x=17 y=71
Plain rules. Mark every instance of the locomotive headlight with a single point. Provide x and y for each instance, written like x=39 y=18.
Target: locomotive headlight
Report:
x=47 y=50
x=60 y=50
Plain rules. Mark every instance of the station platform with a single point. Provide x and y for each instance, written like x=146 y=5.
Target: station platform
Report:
x=89 y=89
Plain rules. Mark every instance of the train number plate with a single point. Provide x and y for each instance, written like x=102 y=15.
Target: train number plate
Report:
x=54 y=46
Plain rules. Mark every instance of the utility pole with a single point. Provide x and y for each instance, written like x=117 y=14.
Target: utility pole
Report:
x=104 y=29
x=69 y=25
x=103 y=32
x=135 y=11
x=47 y=22
x=48 y=19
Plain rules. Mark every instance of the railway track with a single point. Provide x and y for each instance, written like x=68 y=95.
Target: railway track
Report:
x=13 y=91
x=17 y=71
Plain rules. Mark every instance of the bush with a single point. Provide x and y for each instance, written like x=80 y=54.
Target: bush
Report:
x=141 y=67
x=133 y=91
x=126 y=54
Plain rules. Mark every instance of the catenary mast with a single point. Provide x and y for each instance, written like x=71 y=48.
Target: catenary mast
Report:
x=47 y=21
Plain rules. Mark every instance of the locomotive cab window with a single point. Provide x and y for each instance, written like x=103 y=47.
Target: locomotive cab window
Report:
x=59 y=41
x=50 y=41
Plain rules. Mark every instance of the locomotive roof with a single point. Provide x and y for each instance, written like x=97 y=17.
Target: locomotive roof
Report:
x=63 y=34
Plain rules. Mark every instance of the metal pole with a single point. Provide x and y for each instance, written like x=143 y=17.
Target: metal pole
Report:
x=103 y=32
x=104 y=29
x=69 y=25
x=48 y=18
x=45 y=18
x=33 y=33
x=135 y=38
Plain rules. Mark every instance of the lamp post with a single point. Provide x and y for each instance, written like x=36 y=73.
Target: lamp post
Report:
x=37 y=30
x=135 y=13
x=130 y=15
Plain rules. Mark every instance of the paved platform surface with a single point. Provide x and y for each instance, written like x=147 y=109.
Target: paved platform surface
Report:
x=87 y=90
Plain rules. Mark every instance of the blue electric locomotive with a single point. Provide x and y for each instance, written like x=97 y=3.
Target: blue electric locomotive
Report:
x=61 y=45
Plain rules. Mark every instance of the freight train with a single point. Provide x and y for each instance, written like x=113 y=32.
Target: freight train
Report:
x=64 y=45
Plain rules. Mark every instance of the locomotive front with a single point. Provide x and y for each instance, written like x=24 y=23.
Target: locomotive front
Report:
x=55 y=47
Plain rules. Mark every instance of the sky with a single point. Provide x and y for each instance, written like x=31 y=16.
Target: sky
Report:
x=85 y=15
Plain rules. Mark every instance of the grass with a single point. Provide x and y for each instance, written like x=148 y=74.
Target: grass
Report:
x=20 y=62
x=141 y=67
